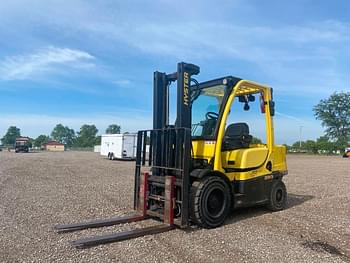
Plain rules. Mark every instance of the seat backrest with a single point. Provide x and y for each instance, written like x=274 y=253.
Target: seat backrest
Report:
x=236 y=136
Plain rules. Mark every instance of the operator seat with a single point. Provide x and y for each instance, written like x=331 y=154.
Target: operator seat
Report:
x=236 y=137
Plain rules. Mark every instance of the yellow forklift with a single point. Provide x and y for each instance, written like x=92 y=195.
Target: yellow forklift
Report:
x=196 y=170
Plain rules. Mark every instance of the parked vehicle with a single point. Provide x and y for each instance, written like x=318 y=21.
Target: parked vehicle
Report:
x=22 y=144
x=119 y=146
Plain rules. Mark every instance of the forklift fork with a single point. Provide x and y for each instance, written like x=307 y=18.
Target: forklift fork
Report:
x=168 y=219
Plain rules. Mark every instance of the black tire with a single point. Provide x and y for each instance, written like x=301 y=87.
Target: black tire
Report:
x=210 y=202
x=278 y=196
x=111 y=156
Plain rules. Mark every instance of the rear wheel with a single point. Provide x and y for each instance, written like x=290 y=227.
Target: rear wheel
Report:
x=278 y=196
x=210 y=201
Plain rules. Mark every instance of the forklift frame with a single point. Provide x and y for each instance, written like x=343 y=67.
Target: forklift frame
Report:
x=162 y=173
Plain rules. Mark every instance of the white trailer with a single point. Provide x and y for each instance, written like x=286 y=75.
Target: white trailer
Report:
x=119 y=146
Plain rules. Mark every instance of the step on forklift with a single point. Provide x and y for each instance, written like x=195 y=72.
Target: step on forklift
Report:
x=198 y=169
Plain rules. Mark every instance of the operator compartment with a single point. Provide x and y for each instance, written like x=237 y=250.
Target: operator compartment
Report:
x=237 y=151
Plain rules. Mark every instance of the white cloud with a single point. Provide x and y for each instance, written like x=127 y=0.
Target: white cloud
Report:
x=307 y=57
x=43 y=61
x=209 y=39
x=283 y=115
x=122 y=82
x=304 y=56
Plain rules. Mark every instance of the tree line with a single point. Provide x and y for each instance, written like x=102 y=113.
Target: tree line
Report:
x=85 y=137
x=322 y=145
x=333 y=112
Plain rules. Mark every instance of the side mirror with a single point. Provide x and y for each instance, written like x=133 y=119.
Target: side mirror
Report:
x=262 y=104
x=246 y=98
x=242 y=99
x=251 y=98
x=272 y=108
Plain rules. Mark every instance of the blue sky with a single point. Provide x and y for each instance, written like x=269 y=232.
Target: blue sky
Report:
x=76 y=62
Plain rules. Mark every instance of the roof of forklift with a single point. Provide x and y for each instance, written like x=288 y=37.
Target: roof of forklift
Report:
x=248 y=87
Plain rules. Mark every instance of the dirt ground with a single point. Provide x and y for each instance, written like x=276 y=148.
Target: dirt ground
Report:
x=39 y=190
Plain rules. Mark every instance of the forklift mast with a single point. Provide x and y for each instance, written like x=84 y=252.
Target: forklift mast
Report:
x=161 y=96
x=162 y=172
x=169 y=150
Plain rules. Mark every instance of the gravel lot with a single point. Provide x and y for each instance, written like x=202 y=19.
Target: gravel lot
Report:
x=39 y=190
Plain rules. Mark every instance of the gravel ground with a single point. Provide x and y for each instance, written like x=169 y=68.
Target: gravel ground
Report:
x=39 y=190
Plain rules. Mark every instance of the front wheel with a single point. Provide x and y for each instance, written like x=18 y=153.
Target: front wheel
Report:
x=278 y=196
x=210 y=201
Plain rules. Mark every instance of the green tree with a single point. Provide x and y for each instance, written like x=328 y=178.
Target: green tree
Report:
x=40 y=140
x=63 y=134
x=325 y=145
x=306 y=146
x=86 y=136
x=334 y=113
x=98 y=140
x=288 y=147
x=256 y=140
x=298 y=145
x=311 y=146
x=321 y=145
x=10 y=137
x=113 y=129
x=30 y=142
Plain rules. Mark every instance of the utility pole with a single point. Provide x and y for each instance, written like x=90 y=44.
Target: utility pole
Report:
x=300 y=131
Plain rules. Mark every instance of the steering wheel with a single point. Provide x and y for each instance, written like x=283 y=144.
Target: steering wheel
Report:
x=210 y=115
